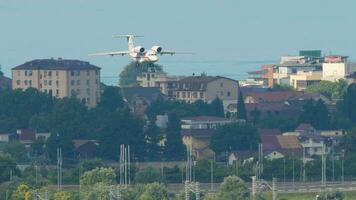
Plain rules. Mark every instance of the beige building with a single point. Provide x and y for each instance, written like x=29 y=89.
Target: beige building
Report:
x=206 y=88
x=60 y=78
x=161 y=80
x=302 y=80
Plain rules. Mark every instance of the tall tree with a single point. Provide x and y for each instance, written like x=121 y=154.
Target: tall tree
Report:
x=111 y=99
x=217 y=108
x=233 y=188
x=174 y=148
x=315 y=113
x=234 y=137
x=241 y=109
x=348 y=105
x=153 y=136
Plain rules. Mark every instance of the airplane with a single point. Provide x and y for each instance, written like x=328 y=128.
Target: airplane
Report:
x=138 y=53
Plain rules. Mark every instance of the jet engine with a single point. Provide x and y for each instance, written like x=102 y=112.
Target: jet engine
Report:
x=140 y=49
x=157 y=49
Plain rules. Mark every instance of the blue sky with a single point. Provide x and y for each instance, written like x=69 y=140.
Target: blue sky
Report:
x=219 y=32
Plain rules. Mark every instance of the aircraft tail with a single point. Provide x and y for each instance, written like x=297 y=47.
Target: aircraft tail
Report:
x=130 y=42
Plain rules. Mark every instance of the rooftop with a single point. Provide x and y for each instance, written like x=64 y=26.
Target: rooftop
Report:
x=278 y=96
x=205 y=118
x=56 y=64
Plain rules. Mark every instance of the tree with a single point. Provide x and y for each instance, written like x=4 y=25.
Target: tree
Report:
x=315 y=113
x=98 y=175
x=7 y=164
x=22 y=193
x=217 y=108
x=174 y=148
x=62 y=196
x=16 y=150
x=148 y=175
x=130 y=72
x=335 y=90
x=233 y=188
x=241 y=109
x=154 y=191
x=1 y=73
x=232 y=137
x=153 y=136
x=348 y=105
x=111 y=99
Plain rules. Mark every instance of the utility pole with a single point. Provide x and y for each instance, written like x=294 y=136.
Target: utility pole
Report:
x=59 y=168
x=342 y=166
x=260 y=161
x=304 y=161
x=323 y=162
x=284 y=170
x=274 y=189
x=333 y=158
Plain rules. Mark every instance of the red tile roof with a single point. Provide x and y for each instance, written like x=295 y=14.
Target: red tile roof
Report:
x=279 y=96
x=304 y=127
x=270 y=142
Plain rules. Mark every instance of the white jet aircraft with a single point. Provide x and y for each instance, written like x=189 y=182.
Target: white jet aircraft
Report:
x=139 y=53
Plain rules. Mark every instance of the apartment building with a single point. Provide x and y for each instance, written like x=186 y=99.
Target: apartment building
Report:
x=206 y=88
x=335 y=68
x=60 y=78
x=160 y=80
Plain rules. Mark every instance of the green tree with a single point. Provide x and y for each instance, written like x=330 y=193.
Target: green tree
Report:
x=234 y=137
x=335 y=90
x=111 y=99
x=21 y=192
x=233 y=188
x=174 y=148
x=7 y=164
x=98 y=175
x=40 y=122
x=62 y=196
x=131 y=71
x=154 y=191
x=153 y=136
x=241 y=109
x=316 y=113
x=16 y=150
x=217 y=108
x=148 y=175
x=348 y=105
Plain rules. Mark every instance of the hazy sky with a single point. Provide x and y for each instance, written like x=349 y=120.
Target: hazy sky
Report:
x=216 y=30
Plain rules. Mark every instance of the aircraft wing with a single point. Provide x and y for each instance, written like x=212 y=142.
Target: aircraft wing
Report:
x=173 y=52
x=113 y=53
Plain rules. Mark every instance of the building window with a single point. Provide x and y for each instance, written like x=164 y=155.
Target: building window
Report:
x=183 y=94
x=18 y=73
x=57 y=92
x=73 y=92
x=78 y=82
x=229 y=94
x=50 y=92
x=88 y=72
x=201 y=95
x=221 y=84
x=57 y=83
x=96 y=72
x=178 y=94
x=30 y=73
x=57 y=73
x=18 y=82
x=188 y=94
x=195 y=95
x=49 y=82
x=50 y=73
x=78 y=73
x=45 y=82
x=25 y=82
x=72 y=73
x=72 y=82
x=30 y=82
x=26 y=73
x=45 y=73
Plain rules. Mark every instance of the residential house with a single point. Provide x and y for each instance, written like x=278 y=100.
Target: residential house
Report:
x=268 y=97
x=207 y=88
x=26 y=136
x=139 y=98
x=197 y=131
x=161 y=80
x=5 y=137
x=86 y=148
x=280 y=146
x=305 y=128
x=241 y=156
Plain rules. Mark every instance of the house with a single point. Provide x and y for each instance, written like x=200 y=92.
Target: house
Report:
x=139 y=98
x=313 y=145
x=305 y=128
x=45 y=136
x=241 y=156
x=206 y=88
x=26 y=136
x=5 y=82
x=5 y=137
x=86 y=148
x=197 y=131
x=280 y=146
x=268 y=97
x=266 y=109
